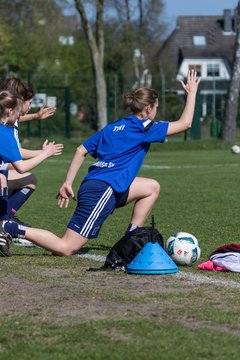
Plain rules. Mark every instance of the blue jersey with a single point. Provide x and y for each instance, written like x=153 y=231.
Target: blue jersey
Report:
x=120 y=149
x=9 y=150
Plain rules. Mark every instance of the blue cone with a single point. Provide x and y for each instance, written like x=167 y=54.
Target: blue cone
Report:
x=152 y=260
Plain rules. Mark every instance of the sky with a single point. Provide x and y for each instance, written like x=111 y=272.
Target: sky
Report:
x=175 y=8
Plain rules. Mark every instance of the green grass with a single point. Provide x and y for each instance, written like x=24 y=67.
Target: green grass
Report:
x=52 y=308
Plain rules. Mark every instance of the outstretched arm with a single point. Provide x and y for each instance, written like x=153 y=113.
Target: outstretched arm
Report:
x=66 y=190
x=51 y=149
x=185 y=121
x=43 y=113
x=28 y=154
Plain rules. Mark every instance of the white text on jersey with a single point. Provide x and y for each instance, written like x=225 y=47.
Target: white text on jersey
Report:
x=119 y=128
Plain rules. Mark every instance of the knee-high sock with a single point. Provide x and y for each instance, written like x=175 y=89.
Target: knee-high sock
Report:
x=16 y=199
x=14 y=229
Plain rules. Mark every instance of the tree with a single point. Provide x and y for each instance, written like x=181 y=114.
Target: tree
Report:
x=5 y=41
x=33 y=30
x=96 y=48
x=230 y=118
x=136 y=25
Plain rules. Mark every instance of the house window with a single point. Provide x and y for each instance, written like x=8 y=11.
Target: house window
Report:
x=197 y=68
x=199 y=40
x=213 y=70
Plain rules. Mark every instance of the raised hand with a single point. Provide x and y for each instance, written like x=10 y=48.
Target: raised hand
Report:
x=191 y=86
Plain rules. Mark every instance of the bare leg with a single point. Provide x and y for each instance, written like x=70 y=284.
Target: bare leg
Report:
x=69 y=244
x=3 y=181
x=144 y=192
x=18 y=181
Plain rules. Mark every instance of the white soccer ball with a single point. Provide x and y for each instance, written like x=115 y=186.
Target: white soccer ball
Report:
x=183 y=248
x=235 y=149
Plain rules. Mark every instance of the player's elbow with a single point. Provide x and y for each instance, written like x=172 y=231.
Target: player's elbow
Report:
x=19 y=169
x=19 y=166
x=81 y=151
x=187 y=124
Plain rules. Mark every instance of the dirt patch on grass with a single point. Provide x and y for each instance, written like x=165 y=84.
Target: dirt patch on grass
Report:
x=69 y=296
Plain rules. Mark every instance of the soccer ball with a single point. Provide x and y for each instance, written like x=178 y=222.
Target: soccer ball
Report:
x=183 y=248
x=235 y=149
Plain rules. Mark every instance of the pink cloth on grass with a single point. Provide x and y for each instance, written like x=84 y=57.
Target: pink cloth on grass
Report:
x=210 y=266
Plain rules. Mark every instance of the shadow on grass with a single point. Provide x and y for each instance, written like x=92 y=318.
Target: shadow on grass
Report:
x=80 y=252
x=94 y=248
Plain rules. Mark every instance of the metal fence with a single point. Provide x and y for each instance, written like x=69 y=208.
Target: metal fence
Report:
x=76 y=105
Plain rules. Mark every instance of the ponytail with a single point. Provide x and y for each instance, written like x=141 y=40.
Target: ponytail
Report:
x=137 y=100
x=8 y=101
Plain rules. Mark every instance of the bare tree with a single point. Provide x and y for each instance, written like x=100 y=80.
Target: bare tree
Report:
x=140 y=6
x=128 y=11
x=96 y=47
x=229 y=121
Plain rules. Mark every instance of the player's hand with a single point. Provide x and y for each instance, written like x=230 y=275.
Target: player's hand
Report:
x=192 y=83
x=65 y=193
x=45 y=144
x=46 y=112
x=52 y=149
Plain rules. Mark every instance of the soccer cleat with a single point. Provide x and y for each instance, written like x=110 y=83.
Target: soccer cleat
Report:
x=23 y=243
x=5 y=241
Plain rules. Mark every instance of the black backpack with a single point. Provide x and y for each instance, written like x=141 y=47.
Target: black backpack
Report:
x=125 y=250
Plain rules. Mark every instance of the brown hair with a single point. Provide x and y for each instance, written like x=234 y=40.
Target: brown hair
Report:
x=17 y=87
x=136 y=100
x=8 y=101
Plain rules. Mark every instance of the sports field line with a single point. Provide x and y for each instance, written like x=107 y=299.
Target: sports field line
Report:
x=167 y=167
x=197 y=278
x=161 y=167
x=202 y=279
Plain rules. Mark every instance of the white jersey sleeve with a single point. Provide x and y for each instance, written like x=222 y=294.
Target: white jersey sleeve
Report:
x=16 y=133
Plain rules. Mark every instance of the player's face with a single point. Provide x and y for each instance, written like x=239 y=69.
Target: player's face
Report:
x=13 y=115
x=26 y=106
x=153 y=111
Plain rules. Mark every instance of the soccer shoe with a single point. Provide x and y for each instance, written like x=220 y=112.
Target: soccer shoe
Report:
x=23 y=243
x=5 y=241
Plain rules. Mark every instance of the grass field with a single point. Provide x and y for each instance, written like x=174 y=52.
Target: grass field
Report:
x=53 y=308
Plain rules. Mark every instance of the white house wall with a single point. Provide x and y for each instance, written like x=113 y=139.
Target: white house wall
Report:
x=223 y=72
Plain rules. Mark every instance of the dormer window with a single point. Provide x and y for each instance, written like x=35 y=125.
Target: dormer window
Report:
x=197 y=68
x=199 y=40
x=213 y=70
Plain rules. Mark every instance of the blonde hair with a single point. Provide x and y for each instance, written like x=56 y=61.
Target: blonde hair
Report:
x=138 y=99
x=8 y=101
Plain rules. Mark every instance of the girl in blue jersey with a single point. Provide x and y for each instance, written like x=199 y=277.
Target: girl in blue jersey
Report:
x=10 y=156
x=22 y=186
x=119 y=149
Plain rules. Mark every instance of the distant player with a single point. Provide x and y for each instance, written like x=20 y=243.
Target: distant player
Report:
x=119 y=150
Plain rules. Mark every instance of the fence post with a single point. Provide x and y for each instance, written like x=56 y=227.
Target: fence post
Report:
x=67 y=110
